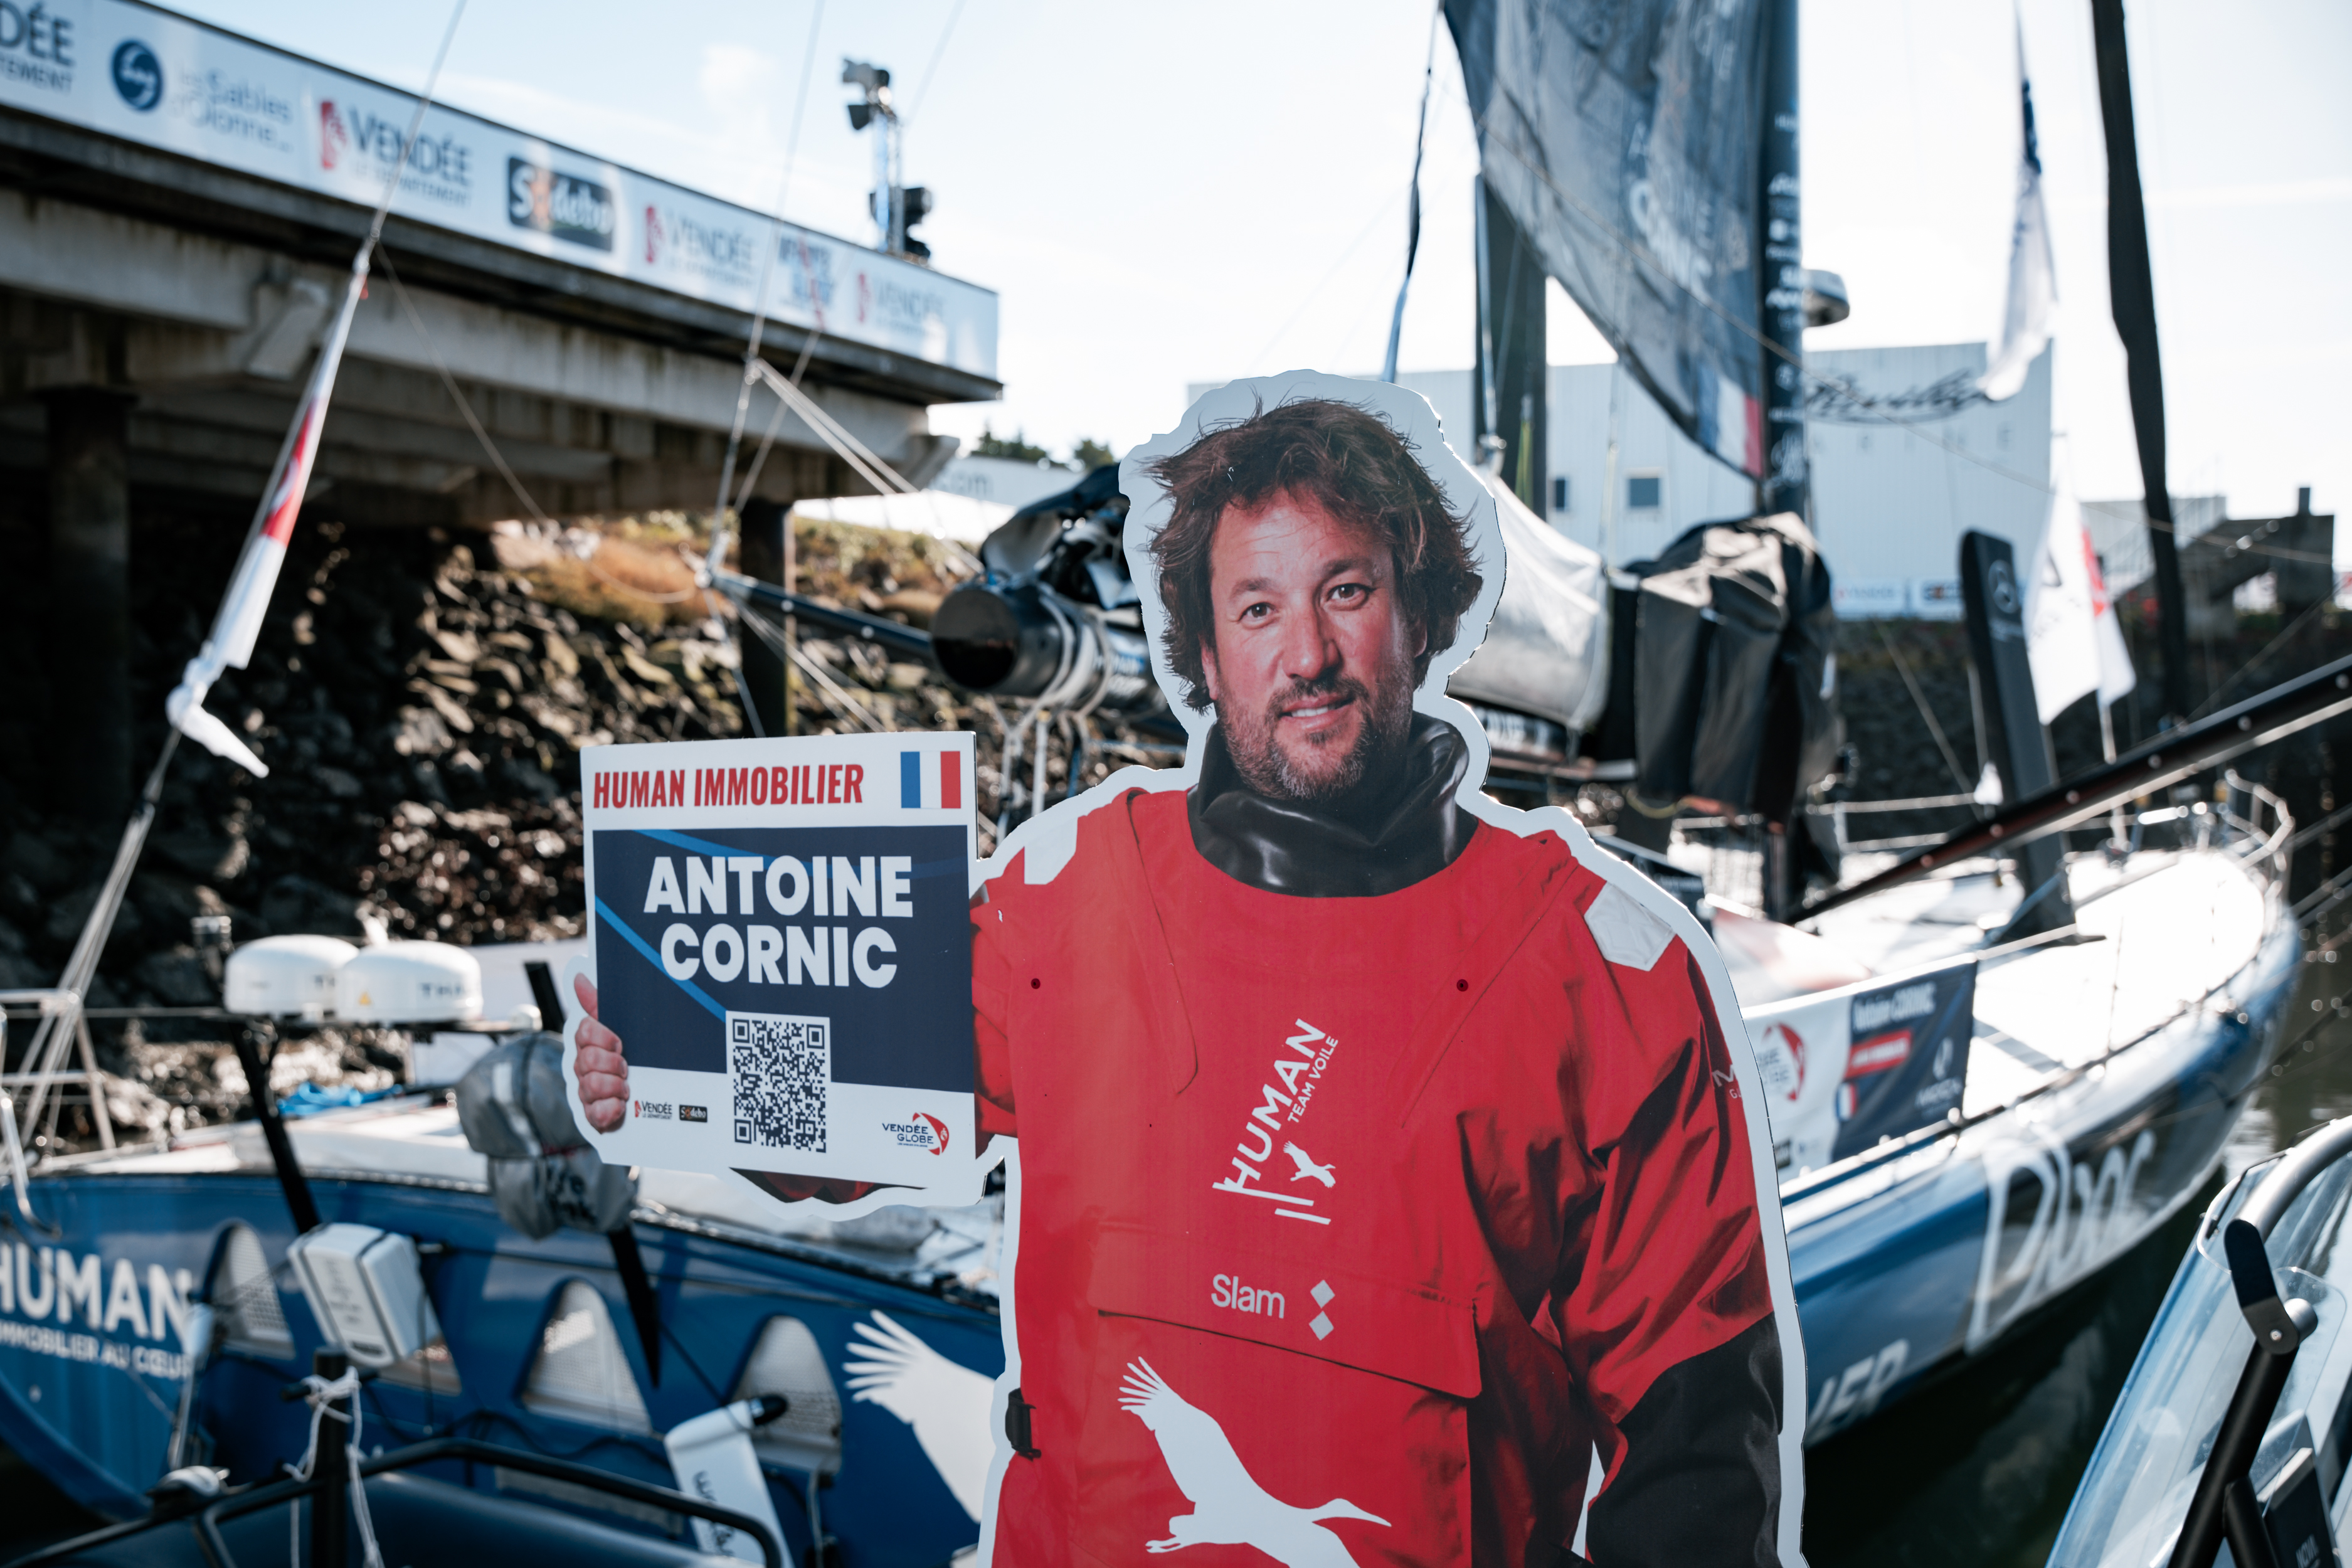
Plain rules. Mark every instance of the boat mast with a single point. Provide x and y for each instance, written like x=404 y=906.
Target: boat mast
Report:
x=2131 y=290
x=1785 y=485
x=1510 y=407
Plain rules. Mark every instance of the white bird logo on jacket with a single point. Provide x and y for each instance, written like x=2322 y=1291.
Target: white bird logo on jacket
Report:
x=1307 y=1167
x=1229 y=1507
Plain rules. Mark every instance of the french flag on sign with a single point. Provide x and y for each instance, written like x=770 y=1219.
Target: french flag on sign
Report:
x=934 y=779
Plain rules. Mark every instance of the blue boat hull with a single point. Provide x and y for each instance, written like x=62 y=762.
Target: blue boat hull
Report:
x=1900 y=1265
x=88 y=1401
x=1937 y=1251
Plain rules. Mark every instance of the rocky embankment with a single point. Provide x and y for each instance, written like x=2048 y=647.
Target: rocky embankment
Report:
x=421 y=701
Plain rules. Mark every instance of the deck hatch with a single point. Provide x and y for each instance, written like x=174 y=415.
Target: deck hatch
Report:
x=580 y=1373
x=244 y=1297
x=785 y=1359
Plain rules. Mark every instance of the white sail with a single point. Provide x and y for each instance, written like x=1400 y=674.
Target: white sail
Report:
x=2026 y=320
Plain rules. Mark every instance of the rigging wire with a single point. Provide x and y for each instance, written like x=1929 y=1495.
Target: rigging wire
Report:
x=498 y=459
x=1911 y=684
x=718 y=531
x=1325 y=281
x=758 y=326
x=45 y=1054
x=1413 y=209
x=931 y=71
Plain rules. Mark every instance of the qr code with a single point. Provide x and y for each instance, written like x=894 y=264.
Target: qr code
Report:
x=781 y=1069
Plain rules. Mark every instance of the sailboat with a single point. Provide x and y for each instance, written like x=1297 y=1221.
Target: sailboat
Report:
x=1995 y=1064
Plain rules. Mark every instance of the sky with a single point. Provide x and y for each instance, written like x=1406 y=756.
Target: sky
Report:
x=1164 y=195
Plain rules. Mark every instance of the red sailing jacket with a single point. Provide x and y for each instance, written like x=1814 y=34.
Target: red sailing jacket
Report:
x=1347 y=1226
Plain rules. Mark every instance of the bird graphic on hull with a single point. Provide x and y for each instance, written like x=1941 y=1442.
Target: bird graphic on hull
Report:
x=946 y=1403
x=1229 y=1507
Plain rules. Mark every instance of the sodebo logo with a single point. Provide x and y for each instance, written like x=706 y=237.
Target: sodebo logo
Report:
x=561 y=205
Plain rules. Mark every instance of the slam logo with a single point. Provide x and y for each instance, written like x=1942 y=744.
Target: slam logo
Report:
x=924 y=1132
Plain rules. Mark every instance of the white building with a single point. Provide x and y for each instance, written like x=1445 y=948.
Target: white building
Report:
x=1006 y=481
x=1895 y=483
x=1896 y=479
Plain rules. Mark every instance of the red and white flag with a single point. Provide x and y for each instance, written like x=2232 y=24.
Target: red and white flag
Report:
x=2073 y=639
x=238 y=621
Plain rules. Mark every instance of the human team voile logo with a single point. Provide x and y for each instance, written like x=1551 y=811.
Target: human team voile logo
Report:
x=1299 y=1069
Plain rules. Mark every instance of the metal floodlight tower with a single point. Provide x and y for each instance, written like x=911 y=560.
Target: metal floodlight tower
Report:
x=896 y=208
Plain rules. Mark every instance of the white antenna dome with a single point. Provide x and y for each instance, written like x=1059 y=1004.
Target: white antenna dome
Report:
x=284 y=976
x=409 y=982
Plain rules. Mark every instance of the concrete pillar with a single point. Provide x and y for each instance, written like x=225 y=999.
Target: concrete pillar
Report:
x=764 y=555
x=90 y=601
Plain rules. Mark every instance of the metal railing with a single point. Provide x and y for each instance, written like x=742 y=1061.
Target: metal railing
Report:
x=208 y=1520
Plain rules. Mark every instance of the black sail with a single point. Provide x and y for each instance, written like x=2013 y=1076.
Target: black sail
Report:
x=1622 y=138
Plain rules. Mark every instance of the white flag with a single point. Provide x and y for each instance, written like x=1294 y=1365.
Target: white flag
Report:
x=2033 y=275
x=2073 y=640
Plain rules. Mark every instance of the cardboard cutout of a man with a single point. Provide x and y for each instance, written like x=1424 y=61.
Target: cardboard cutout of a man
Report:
x=1385 y=1175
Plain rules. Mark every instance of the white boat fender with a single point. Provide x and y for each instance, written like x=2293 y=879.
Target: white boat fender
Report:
x=512 y=1107
x=366 y=1288
x=714 y=1461
x=186 y=1489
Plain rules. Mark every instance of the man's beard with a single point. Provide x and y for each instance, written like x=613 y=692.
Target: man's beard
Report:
x=1323 y=781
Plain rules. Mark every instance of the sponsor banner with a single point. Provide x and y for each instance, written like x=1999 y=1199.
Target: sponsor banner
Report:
x=1871 y=598
x=780 y=936
x=1936 y=598
x=163 y=81
x=1845 y=1069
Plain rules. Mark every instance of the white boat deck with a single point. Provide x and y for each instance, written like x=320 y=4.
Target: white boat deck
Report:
x=413 y=1140
x=2158 y=934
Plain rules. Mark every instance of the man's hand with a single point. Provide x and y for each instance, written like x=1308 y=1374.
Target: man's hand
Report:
x=604 y=1071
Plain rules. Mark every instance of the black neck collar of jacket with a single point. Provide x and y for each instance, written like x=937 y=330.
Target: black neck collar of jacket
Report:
x=1415 y=829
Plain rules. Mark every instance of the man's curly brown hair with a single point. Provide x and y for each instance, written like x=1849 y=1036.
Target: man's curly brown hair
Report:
x=1362 y=472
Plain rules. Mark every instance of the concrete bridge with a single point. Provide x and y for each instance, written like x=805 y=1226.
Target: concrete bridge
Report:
x=178 y=210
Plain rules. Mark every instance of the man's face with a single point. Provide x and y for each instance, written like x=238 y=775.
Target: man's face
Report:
x=1309 y=655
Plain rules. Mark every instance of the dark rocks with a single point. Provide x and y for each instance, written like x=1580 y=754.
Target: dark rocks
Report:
x=298 y=903
x=422 y=713
x=205 y=855
x=175 y=977
x=19 y=899
x=34 y=858
x=68 y=915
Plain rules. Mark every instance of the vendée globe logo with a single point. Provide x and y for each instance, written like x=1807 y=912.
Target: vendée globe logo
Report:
x=138 y=75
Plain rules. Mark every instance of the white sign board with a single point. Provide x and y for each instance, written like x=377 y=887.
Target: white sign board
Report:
x=778 y=932
x=160 y=79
